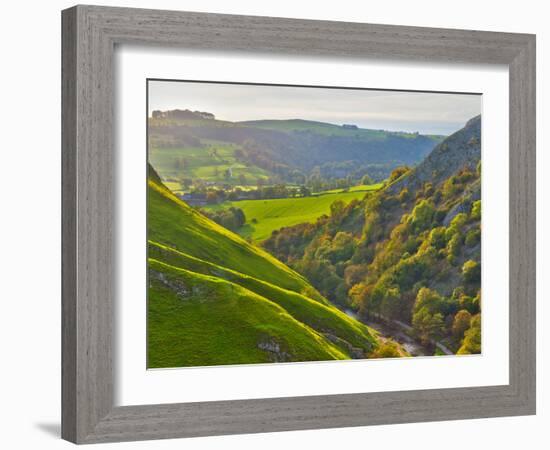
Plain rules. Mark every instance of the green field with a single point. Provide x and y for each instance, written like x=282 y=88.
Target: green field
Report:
x=215 y=299
x=359 y=188
x=209 y=163
x=265 y=216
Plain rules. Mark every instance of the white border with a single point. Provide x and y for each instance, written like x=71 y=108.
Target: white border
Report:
x=135 y=385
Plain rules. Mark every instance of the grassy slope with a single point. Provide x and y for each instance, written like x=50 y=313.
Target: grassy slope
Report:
x=320 y=315
x=215 y=298
x=170 y=221
x=219 y=322
x=204 y=163
x=274 y=214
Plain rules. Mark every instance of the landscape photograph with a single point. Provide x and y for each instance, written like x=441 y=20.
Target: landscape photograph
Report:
x=305 y=224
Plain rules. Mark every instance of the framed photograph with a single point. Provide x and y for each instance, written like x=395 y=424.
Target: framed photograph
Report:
x=277 y=224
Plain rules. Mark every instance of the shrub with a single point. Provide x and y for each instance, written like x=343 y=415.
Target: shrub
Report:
x=387 y=349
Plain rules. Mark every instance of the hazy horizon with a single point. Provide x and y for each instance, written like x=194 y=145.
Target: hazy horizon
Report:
x=423 y=112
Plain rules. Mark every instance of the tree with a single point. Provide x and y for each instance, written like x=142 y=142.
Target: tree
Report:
x=428 y=326
x=397 y=173
x=428 y=298
x=459 y=221
x=473 y=237
x=471 y=271
x=391 y=304
x=472 y=338
x=337 y=210
x=437 y=238
x=354 y=273
x=367 y=179
x=211 y=197
x=450 y=187
x=239 y=216
x=475 y=214
x=304 y=191
x=453 y=247
x=461 y=323
x=422 y=215
x=404 y=195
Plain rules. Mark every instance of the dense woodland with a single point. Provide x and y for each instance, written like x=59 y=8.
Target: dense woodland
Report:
x=410 y=252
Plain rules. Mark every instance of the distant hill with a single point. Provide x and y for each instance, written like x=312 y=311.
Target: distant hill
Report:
x=290 y=148
x=460 y=150
x=214 y=298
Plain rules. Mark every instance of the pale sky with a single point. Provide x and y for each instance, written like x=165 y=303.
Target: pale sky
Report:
x=427 y=113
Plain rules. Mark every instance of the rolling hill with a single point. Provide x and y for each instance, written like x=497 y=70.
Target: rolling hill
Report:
x=215 y=299
x=290 y=149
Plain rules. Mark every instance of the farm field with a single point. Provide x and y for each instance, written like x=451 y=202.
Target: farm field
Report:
x=210 y=164
x=360 y=188
x=265 y=216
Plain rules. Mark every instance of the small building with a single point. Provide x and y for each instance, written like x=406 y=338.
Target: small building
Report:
x=193 y=199
x=349 y=126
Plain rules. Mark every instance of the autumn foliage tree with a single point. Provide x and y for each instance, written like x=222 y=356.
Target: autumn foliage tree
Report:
x=461 y=323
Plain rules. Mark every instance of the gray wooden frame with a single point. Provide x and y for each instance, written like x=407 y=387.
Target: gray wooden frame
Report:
x=89 y=37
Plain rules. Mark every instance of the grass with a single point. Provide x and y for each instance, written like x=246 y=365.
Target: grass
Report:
x=174 y=186
x=219 y=323
x=360 y=188
x=208 y=163
x=215 y=299
x=318 y=314
x=173 y=223
x=265 y=216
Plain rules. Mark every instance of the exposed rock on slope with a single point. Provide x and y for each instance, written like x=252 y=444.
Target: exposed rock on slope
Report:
x=460 y=150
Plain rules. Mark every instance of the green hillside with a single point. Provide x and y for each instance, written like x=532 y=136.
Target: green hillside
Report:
x=327 y=129
x=210 y=163
x=265 y=216
x=215 y=299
